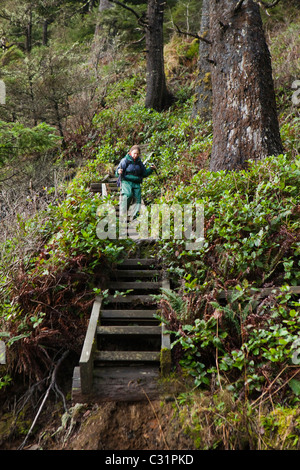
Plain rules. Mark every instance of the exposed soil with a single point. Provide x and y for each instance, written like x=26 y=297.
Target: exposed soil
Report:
x=147 y=425
x=129 y=426
x=107 y=426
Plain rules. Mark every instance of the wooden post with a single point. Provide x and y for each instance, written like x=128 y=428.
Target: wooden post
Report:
x=165 y=353
x=86 y=358
x=2 y=92
x=2 y=353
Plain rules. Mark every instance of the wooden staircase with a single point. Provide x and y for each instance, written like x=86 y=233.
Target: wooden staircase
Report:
x=126 y=349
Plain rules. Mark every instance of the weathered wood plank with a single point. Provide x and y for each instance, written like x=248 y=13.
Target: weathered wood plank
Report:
x=262 y=292
x=138 y=262
x=134 y=299
x=119 y=384
x=135 y=285
x=122 y=373
x=2 y=353
x=129 y=330
x=139 y=273
x=86 y=358
x=130 y=314
x=166 y=359
x=126 y=383
x=127 y=356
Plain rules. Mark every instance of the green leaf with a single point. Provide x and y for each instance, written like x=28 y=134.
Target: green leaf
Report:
x=295 y=386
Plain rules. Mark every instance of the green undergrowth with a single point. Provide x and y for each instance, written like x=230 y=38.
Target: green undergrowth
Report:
x=215 y=421
x=235 y=352
x=226 y=338
x=251 y=224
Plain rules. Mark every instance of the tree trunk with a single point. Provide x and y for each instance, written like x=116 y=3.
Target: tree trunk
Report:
x=245 y=123
x=203 y=93
x=103 y=5
x=157 y=95
x=45 y=32
x=28 y=33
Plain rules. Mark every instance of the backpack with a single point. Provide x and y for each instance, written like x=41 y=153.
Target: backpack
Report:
x=127 y=163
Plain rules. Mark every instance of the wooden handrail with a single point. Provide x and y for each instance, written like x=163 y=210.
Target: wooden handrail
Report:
x=96 y=187
x=2 y=353
x=165 y=355
x=86 y=358
x=261 y=292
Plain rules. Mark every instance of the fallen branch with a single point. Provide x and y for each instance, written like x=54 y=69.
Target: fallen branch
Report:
x=53 y=386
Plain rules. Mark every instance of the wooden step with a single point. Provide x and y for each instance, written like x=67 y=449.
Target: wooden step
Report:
x=135 y=299
x=121 y=384
x=136 y=273
x=126 y=383
x=137 y=262
x=129 y=330
x=128 y=314
x=118 y=373
x=127 y=356
x=135 y=285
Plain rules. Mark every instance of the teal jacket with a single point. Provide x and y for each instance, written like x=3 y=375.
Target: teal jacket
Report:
x=133 y=171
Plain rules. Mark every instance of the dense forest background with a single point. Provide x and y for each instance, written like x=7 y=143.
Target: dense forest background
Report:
x=77 y=97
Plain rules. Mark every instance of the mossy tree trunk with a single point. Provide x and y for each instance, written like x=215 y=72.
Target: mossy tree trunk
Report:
x=157 y=95
x=203 y=92
x=245 y=123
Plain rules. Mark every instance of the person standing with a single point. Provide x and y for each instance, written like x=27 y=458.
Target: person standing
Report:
x=132 y=171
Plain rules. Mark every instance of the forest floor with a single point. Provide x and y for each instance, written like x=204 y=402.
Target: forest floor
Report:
x=147 y=425
x=106 y=426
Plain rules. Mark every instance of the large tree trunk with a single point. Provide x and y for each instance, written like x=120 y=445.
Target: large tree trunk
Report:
x=157 y=95
x=245 y=123
x=28 y=32
x=203 y=93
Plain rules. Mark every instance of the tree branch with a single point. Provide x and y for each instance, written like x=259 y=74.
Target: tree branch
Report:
x=238 y=6
x=269 y=5
x=194 y=35
x=139 y=18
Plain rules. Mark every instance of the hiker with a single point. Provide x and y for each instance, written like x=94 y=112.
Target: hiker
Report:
x=131 y=172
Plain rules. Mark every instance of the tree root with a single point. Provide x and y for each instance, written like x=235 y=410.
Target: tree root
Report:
x=53 y=386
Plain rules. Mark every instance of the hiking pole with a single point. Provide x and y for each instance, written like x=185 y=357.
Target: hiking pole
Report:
x=147 y=159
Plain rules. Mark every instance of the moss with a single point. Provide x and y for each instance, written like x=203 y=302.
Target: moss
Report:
x=165 y=361
x=207 y=78
x=193 y=50
x=12 y=425
x=281 y=428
